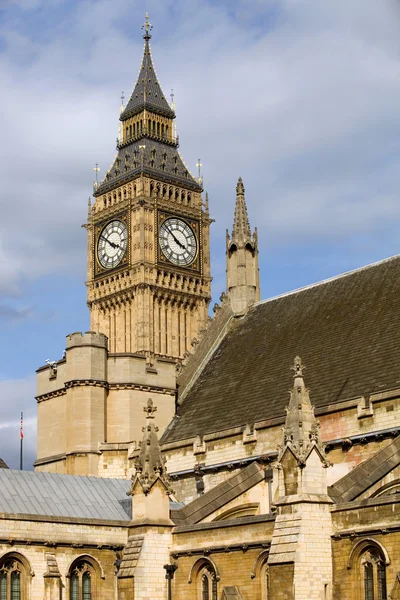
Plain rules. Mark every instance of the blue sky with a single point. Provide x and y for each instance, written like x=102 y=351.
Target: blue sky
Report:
x=299 y=98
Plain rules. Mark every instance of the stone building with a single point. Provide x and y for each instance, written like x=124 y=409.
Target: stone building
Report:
x=172 y=462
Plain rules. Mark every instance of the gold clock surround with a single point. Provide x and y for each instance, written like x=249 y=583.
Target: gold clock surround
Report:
x=99 y=269
x=194 y=224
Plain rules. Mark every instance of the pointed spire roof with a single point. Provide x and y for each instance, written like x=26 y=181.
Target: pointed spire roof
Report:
x=241 y=225
x=301 y=430
x=150 y=463
x=147 y=93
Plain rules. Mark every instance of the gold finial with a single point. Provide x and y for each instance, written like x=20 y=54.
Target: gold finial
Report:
x=96 y=169
x=147 y=26
x=199 y=164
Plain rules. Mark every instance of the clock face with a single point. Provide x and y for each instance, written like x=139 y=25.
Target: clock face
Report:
x=112 y=244
x=178 y=242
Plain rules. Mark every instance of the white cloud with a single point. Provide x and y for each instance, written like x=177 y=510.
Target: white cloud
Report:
x=299 y=98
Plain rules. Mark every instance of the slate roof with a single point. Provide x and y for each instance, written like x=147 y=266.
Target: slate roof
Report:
x=127 y=165
x=147 y=92
x=345 y=330
x=130 y=556
x=366 y=474
x=167 y=163
x=54 y=495
x=3 y=465
x=221 y=494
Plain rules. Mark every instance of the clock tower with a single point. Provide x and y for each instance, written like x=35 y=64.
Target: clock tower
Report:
x=148 y=230
x=148 y=289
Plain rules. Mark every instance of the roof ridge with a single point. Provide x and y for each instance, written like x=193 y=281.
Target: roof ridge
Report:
x=328 y=280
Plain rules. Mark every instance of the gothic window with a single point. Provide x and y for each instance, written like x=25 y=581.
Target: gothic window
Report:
x=208 y=583
x=12 y=579
x=82 y=581
x=374 y=575
x=205 y=591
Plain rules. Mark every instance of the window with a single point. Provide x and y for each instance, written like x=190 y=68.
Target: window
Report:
x=12 y=579
x=208 y=582
x=82 y=581
x=374 y=574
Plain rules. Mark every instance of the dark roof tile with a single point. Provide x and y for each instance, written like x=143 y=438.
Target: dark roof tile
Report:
x=345 y=330
x=365 y=475
x=147 y=92
x=220 y=495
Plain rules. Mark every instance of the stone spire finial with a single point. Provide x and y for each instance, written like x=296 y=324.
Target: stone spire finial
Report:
x=241 y=225
x=242 y=274
x=301 y=430
x=150 y=463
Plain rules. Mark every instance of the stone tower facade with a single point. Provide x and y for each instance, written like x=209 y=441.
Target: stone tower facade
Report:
x=148 y=287
x=148 y=275
x=242 y=272
x=300 y=559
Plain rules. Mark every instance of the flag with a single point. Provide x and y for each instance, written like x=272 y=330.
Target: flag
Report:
x=21 y=431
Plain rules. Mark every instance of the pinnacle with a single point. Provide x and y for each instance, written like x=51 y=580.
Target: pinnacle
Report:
x=301 y=430
x=241 y=225
x=147 y=92
x=150 y=464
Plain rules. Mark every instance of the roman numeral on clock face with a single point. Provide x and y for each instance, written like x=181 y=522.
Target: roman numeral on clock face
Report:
x=112 y=244
x=178 y=242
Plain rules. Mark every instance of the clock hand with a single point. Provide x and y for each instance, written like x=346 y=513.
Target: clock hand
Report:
x=112 y=244
x=176 y=239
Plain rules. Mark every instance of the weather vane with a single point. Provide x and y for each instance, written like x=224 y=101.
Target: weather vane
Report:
x=122 y=98
x=172 y=96
x=147 y=27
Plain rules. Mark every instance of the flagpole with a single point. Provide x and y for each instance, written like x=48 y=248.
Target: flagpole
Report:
x=21 y=440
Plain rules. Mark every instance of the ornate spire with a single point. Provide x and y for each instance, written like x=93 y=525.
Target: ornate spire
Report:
x=150 y=463
x=147 y=26
x=241 y=225
x=301 y=430
x=147 y=93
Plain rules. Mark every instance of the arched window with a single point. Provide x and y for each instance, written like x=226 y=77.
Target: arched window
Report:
x=82 y=580
x=13 y=578
x=208 y=583
x=374 y=574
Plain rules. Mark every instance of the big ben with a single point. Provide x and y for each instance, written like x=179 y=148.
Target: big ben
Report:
x=148 y=230
x=148 y=286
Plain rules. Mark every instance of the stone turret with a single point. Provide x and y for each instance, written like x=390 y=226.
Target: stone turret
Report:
x=150 y=489
x=150 y=531
x=242 y=273
x=300 y=560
